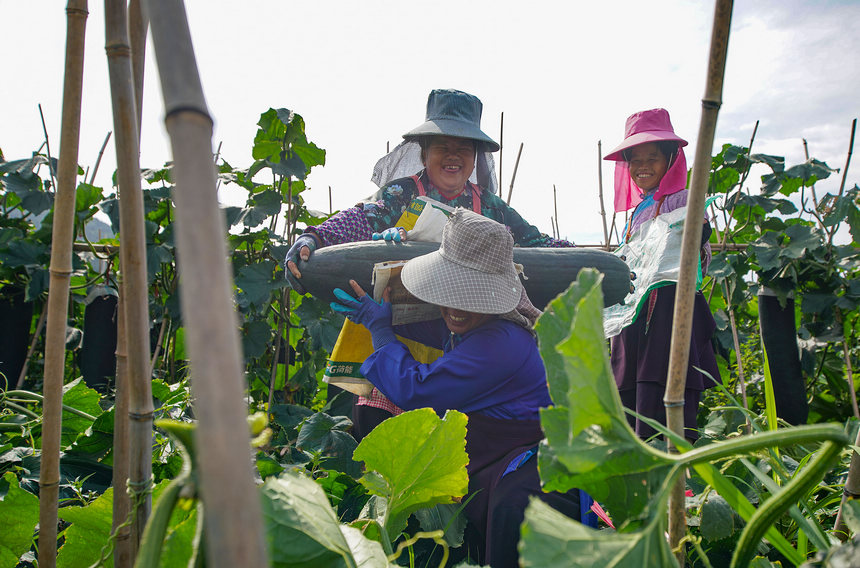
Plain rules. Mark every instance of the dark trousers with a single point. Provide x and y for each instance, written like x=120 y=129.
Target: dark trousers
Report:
x=507 y=508
x=365 y=419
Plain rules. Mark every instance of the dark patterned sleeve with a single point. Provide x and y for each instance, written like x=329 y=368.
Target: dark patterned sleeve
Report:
x=525 y=235
x=360 y=222
x=347 y=226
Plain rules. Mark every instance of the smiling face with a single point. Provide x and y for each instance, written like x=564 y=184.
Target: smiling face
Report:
x=648 y=165
x=449 y=162
x=460 y=322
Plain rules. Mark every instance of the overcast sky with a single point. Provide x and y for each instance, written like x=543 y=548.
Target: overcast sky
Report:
x=565 y=74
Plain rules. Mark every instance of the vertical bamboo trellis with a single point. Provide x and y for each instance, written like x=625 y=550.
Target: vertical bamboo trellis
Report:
x=132 y=264
x=501 y=149
x=683 y=314
x=234 y=527
x=125 y=547
x=62 y=237
x=600 y=193
x=514 y=175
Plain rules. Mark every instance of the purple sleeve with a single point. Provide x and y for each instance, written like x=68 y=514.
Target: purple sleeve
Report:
x=348 y=226
x=496 y=370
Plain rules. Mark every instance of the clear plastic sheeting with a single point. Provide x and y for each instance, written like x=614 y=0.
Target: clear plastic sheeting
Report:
x=653 y=254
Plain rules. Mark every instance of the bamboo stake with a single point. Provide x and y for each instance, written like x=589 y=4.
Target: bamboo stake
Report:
x=852 y=482
x=330 y=210
x=137 y=25
x=125 y=548
x=233 y=519
x=48 y=149
x=686 y=288
x=501 y=148
x=62 y=236
x=132 y=256
x=555 y=210
x=850 y=491
x=514 y=176
x=848 y=157
x=39 y=326
x=99 y=159
x=600 y=192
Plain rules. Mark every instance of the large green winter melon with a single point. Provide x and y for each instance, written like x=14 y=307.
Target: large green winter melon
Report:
x=549 y=271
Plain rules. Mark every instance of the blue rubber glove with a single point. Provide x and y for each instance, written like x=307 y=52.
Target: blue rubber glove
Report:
x=375 y=316
x=392 y=234
x=294 y=255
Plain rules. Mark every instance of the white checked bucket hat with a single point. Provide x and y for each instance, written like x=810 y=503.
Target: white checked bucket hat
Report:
x=473 y=270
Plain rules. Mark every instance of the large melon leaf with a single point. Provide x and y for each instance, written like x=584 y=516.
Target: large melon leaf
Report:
x=415 y=460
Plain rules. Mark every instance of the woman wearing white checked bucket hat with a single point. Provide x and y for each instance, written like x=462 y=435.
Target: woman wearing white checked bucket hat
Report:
x=490 y=369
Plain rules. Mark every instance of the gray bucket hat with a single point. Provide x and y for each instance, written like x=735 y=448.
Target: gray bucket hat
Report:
x=453 y=113
x=473 y=270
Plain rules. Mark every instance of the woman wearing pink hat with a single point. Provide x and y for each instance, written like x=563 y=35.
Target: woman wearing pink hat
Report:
x=651 y=177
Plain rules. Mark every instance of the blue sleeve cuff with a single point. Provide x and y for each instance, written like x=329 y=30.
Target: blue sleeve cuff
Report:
x=382 y=337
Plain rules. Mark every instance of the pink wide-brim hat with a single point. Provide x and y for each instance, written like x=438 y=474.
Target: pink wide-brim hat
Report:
x=645 y=126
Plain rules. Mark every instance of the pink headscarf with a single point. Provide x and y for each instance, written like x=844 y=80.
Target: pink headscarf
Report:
x=643 y=127
x=628 y=194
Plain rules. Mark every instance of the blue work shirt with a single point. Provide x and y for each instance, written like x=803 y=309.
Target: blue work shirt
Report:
x=494 y=370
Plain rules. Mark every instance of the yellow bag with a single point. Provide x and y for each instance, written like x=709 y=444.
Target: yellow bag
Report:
x=353 y=346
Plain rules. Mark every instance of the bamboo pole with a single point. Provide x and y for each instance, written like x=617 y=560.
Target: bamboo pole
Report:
x=62 y=236
x=48 y=149
x=852 y=482
x=514 y=175
x=39 y=326
x=600 y=192
x=99 y=159
x=132 y=256
x=235 y=535
x=851 y=490
x=686 y=289
x=555 y=211
x=125 y=548
x=137 y=26
x=501 y=149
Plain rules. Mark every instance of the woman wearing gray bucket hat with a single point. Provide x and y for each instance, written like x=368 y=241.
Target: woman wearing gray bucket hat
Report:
x=490 y=369
x=438 y=159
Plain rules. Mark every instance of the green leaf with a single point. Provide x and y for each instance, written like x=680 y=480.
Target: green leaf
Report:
x=803 y=239
x=256 y=283
x=91 y=527
x=78 y=395
x=717 y=518
x=321 y=322
x=419 y=459
x=23 y=253
x=310 y=154
x=449 y=517
x=291 y=166
x=303 y=531
x=256 y=336
x=328 y=436
x=288 y=416
x=551 y=539
x=589 y=444
x=87 y=196
x=20 y=511
x=776 y=163
x=37 y=202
